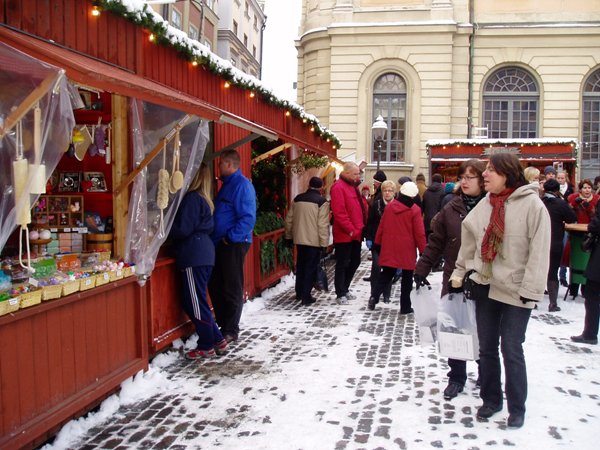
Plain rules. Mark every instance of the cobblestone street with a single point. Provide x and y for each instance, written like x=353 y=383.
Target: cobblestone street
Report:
x=342 y=377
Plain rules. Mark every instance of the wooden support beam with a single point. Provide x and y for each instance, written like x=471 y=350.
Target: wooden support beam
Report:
x=154 y=152
x=120 y=155
x=236 y=144
x=271 y=153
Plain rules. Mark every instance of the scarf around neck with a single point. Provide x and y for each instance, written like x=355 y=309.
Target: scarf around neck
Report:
x=494 y=234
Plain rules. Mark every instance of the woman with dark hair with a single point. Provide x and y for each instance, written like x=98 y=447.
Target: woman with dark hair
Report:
x=505 y=241
x=444 y=241
x=584 y=203
x=591 y=293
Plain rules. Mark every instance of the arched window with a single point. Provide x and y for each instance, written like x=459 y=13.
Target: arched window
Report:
x=389 y=101
x=510 y=104
x=590 y=133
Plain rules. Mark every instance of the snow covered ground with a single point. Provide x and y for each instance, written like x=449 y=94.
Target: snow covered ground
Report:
x=343 y=377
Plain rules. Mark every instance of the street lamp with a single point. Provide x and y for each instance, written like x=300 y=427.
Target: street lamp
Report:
x=379 y=128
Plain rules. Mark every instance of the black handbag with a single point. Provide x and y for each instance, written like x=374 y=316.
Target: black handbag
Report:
x=589 y=242
x=321 y=283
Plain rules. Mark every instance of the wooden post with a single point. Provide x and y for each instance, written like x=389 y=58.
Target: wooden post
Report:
x=120 y=153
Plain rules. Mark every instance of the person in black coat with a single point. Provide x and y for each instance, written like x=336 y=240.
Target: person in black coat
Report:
x=560 y=213
x=432 y=201
x=591 y=292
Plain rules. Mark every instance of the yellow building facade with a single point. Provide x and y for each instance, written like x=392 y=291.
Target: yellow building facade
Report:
x=451 y=69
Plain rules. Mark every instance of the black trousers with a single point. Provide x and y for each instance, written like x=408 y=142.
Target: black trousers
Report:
x=386 y=276
x=347 y=260
x=226 y=286
x=591 y=293
x=307 y=262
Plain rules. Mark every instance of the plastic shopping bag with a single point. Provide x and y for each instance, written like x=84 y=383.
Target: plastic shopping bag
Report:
x=425 y=303
x=457 y=328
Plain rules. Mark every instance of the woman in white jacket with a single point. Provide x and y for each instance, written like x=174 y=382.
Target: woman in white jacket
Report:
x=505 y=240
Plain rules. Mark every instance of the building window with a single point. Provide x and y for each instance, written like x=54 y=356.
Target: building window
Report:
x=256 y=23
x=254 y=51
x=176 y=18
x=389 y=101
x=235 y=27
x=245 y=40
x=234 y=58
x=247 y=10
x=193 y=32
x=510 y=104
x=590 y=135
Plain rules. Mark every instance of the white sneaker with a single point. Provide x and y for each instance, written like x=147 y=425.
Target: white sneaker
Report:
x=342 y=300
x=350 y=296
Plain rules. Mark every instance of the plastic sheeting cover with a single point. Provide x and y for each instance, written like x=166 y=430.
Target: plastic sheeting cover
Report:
x=150 y=124
x=20 y=75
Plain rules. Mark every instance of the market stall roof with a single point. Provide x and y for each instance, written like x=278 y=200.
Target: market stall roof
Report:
x=491 y=141
x=89 y=71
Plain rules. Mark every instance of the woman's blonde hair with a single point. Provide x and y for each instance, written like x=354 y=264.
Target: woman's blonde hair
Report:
x=531 y=173
x=388 y=184
x=202 y=184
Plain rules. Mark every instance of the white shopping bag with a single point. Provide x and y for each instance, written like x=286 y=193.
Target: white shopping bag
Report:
x=457 y=328
x=425 y=303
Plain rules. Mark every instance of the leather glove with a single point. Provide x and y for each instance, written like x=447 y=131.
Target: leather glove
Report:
x=525 y=300
x=369 y=244
x=585 y=204
x=289 y=243
x=578 y=200
x=421 y=281
x=376 y=248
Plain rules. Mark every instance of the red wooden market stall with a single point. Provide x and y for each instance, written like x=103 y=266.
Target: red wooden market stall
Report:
x=445 y=156
x=138 y=84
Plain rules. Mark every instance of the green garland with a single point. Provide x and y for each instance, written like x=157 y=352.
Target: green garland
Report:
x=308 y=161
x=186 y=50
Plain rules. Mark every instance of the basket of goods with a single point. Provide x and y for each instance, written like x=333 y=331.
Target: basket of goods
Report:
x=70 y=285
x=86 y=281
x=51 y=288
x=28 y=295
x=114 y=269
x=8 y=304
x=128 y=270
x=102 y=278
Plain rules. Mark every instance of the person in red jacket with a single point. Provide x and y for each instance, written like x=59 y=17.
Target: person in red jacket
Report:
x=401 y=232
x=349 y=218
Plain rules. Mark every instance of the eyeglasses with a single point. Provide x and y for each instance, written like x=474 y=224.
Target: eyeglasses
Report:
x=467 y=178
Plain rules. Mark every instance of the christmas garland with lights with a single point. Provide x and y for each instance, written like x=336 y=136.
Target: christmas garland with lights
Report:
x=194 y=52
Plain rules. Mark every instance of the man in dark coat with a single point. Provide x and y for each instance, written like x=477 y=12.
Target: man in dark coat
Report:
x=432 y=201
x=560 y=213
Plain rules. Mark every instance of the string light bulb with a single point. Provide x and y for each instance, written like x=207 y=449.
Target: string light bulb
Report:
x=95 y=11
x=226 y=85
x=194 y=63
x=312 y=128
x=287 y=114
x=252 y=94
x=151 y=38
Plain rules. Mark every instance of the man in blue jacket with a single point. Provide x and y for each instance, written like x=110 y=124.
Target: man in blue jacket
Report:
x=235 y=215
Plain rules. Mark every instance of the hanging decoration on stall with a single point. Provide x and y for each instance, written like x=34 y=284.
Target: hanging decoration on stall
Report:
x=162 y=192
x=176 y=181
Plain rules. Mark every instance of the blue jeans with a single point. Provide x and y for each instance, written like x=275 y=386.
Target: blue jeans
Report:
x=500 y=324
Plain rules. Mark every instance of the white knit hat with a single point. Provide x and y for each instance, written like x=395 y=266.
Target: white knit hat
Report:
x=409 y=189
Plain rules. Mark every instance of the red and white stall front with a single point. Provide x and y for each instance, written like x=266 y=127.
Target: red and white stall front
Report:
x=446 y=155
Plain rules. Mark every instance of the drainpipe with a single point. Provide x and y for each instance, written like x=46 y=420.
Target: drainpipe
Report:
x=262 y=32
x=471 y=57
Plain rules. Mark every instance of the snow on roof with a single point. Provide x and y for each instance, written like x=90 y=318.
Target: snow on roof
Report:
x=488 y=141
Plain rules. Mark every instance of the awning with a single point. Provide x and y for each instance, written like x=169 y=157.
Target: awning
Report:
x=91 y=72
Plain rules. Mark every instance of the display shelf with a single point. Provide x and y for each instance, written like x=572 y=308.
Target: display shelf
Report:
x=59 y=211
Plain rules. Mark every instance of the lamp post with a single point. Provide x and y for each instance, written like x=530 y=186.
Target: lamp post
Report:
x=379 y=128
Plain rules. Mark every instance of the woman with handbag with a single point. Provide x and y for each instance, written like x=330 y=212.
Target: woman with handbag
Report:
x=591 y=291
x=444 y=241
x=505 y=240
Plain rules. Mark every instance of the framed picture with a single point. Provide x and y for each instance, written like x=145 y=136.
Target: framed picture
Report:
x=69 y=182
x=94 y=182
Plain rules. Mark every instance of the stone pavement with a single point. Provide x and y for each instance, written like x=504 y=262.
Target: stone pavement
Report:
x=342 y=377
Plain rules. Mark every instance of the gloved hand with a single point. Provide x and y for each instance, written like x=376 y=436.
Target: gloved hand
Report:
x=288 y=243
x=369 y=244
x=376 y=248
x=585 y=204
x=525 y=300
x=421 y=281
x=455 y=286
x=323 y=252
x=578 y=200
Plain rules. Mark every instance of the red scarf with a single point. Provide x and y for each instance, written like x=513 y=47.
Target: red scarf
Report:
x=494 y=234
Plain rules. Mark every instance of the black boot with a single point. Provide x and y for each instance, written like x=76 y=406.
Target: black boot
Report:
x=553 y=295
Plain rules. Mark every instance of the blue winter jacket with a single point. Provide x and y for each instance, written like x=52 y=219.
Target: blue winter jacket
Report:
x=191 y=231
x=235 y=210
